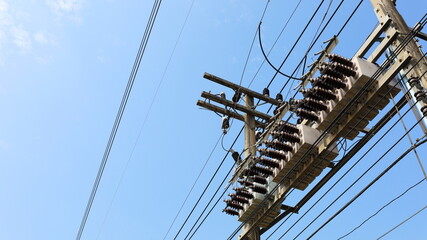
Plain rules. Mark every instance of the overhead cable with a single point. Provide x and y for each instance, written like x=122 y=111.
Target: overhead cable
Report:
x=120 y=112
x=382 y=208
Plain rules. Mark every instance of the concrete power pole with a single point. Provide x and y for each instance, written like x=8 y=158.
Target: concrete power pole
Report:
x=417 y=66
x=308 y=147
x=250 y=147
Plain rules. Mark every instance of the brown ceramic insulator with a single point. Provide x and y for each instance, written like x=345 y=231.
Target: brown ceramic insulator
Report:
x=333 y=81
x=279 y=145
x=264 y=170
x=280 y=155
x=259 y=179
x=259 y=189
x=314 y=105
x=325 y=69
x=307 y=114
x=346 y=70
x=340 y=59
x=245 y=183
x=239 y=199
x=284 y=136
x=231 y=212
x=233 y=204
x=318 y=82
x=287 y=127
x=324 y=93
x=269 y=162
x=245 y=194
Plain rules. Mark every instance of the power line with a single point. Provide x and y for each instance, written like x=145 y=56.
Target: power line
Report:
x=382 y=208
x=275 y=42
x=269 y=83
x=399 y=48
x=266 y=57
x=192 y=187
x=244 y=69
x=205 y=189
x=403 y=97
x=305 y=155
x=273 y=79
x=120 y=112
x=373 y=181
x=296 y=42
x=145 y=120
x=400 y=224
x=375 y=75
x=330 y=188
x=252 y=44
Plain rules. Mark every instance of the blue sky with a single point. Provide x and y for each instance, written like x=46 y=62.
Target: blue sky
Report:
x=64 y=65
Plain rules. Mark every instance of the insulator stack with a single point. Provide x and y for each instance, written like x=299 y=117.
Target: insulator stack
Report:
x=279 y=145
x=262 y=170
x=259 y=189
x=237 y=198
x=325 y=93
x=279 y=97
x=333 y=81
x=340 y=59
x=284 y=136
x=341 y=68
x=231 y=212
x=269 y=162
x=243 y=193
x=326 y=70
x=318 y=82
x=233 y=204
x=296 y=103
x=245 y=183
x=319 y=93
x=307 y=114
x=280 y=155
x=287 y=127
x=314 y=105
x=259 y=179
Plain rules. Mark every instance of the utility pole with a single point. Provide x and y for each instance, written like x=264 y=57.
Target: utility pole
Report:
x=385 y=10
x=345 y=97
x=250 y=147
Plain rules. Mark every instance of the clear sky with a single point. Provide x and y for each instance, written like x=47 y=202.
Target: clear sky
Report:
x=64 y=65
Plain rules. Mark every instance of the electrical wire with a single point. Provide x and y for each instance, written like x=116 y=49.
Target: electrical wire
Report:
x=344 y=173
x=270 y=83
x=266 y=57
x=119 y=115
x=192 y=187
x=350 y=167
x=324 y=194
x=144 y=122
x=372 y=182
x=296 y=42
x=235 y=232
x=207 y=186
x=382 y=208
x=397 y=50
x=263 y=14
x=275 y=42
x=400 y=224
x=252 y=44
